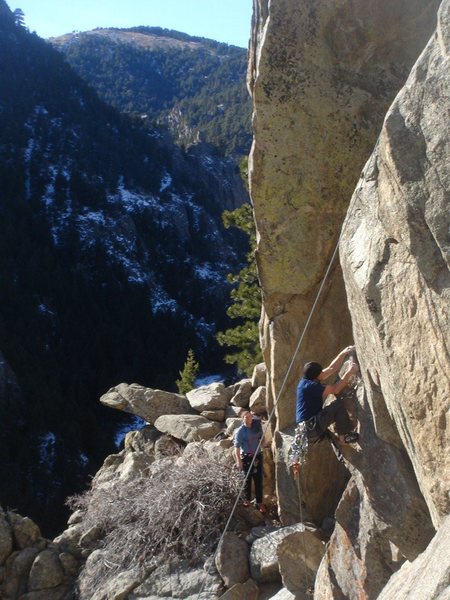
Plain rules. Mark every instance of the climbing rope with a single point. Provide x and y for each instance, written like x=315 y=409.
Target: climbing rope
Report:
x=272 y=412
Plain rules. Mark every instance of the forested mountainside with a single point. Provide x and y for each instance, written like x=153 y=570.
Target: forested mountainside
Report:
x=113 y=262
x=194 y=86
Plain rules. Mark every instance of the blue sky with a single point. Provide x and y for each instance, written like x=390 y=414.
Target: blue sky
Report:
x=222 y=20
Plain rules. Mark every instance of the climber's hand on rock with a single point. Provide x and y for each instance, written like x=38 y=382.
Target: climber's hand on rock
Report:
x=353 y=369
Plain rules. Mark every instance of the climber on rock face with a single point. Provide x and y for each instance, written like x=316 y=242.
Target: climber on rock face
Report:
x=312 y=418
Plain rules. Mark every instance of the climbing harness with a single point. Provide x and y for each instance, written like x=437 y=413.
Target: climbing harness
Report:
x=272 y=412
x=247 y=461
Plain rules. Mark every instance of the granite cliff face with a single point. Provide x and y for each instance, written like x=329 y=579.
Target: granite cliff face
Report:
x=395 y=254
x=322 y=75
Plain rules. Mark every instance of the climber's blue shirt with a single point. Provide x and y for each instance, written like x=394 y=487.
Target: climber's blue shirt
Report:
x=309 y=399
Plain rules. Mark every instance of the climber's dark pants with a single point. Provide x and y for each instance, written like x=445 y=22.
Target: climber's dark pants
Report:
x=256 y=475
x=336 y=413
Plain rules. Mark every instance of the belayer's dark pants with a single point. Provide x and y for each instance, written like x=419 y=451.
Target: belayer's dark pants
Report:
x=256 y=475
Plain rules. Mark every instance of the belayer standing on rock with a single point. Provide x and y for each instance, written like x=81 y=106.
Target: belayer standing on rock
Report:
x=312 y=418
x=247 y=448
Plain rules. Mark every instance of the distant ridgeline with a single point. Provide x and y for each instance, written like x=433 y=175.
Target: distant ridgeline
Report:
x=113 y=263
x=194 y=86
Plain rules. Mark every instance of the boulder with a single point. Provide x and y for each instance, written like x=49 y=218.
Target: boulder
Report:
x=398 y=285
x=257 y=402
x=232 y=425
x=285 y=594
x=209 y=397
x=166 y=447
x=75 y=517
x=6 y=538
x=264 y=564
x=69 y=564
x=124 y=465
x=241 y=396
x=260 y=531
x=40 y=570
x=62 y=592
x=69 y=539
x=140 y=450
x=118 y=587
x=225 y=443
x=189 y=428
x=110 y=469
x=214 y=415
x=233 y=411
x=90 y=536
x=17 y=569
x=9 y=587
x=249 y=516
x=220 y=447
x=143 y=440
x=145 y=402
x=428 y=576
x=25 y=531
x=46 y=571
x=259 y=376
x=23 y=561
x=299 y=556
x=132 y=462
x=233 y=388
x=242 y=591
x=232 y=559
x=215 y=449
x=178 y=579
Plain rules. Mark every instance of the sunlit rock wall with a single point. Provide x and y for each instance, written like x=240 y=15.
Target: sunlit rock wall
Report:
x=322 y=74
x=395 y=252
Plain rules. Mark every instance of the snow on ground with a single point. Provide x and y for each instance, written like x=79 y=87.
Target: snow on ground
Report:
x=208 y=271
x=132 y=201
x=208 y=379
x=161 y=301
x=47 y=449
x=166 y=181
x=83 y=459
x=45 y=310
x=135 y=424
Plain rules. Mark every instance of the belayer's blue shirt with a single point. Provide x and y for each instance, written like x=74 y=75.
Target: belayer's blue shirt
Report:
x=247 y=438
x=309 y=399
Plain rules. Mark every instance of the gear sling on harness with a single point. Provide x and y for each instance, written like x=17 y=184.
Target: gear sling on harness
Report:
x=306 y=433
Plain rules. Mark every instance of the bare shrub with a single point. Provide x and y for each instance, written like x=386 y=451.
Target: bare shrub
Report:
x=178 y=510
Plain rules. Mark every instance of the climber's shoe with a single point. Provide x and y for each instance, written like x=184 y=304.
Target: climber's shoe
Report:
x=246 y=503
x=261 y=508
x=349 y=438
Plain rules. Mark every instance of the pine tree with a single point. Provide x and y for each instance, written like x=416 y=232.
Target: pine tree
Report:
x=188 y=374
x=19 y=17
x=246 y=297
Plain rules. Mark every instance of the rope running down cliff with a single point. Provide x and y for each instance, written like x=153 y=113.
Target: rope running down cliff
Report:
x=272 y=412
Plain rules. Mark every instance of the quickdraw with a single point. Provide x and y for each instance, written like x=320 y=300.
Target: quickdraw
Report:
x=299 y=447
